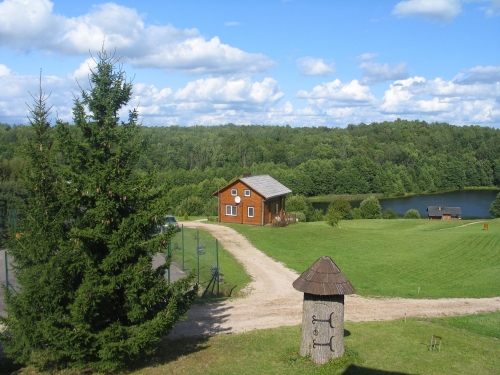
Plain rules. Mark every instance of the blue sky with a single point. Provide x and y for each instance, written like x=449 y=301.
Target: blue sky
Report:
x=302 y=63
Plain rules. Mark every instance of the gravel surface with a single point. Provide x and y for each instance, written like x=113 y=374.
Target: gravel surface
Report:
x=271 y=301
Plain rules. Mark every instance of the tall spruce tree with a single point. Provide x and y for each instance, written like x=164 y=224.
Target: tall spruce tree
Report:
x=89 y=296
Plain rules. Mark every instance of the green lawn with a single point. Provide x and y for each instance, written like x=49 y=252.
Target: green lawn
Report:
x=394 y=257
x=376 y=348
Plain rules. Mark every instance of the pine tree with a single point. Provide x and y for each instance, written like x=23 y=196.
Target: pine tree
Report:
x=89 y=296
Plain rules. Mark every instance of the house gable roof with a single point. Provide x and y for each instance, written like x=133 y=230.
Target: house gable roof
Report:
x=440 y=211
x=264 y=185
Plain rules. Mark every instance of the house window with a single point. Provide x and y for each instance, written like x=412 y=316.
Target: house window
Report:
x=231 y=210
x=277 y=208
x=251 y=212
x=234 y=192
x=246 y=192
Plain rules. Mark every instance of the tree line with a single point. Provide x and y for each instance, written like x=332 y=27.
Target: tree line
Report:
x=392 y=158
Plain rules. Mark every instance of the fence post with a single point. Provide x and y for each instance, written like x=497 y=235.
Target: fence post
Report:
x=182 y=237
x=217 y=262
x=198 y=252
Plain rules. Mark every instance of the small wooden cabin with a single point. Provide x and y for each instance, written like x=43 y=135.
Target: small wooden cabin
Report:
x=253 y=200
x=444 y=213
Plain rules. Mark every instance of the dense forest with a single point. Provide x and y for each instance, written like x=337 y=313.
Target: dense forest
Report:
x=392 y=158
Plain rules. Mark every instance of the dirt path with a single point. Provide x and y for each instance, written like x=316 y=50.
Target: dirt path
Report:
x=273 y=302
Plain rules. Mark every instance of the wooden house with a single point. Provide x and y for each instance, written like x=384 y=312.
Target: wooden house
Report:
x=444 y=213
x=256 y=200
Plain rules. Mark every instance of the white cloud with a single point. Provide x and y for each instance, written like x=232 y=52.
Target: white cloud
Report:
x=484 y=74
x=434 y=10
x=315 y=67
x=439 y=100
x=31 y=24
x=4 y=71
x=376 y=73
x=232 y=23
x=339 y=94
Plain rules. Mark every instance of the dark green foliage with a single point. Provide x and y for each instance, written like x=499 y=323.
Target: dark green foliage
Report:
x=370 y=208
x=316 y=215
x=389 y=214
x=495 y=207
x=299 y=203
x=412 y=214
x=392 y=158
x=89 y=297
x=342 y=206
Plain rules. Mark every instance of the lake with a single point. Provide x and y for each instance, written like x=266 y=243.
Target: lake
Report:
x=475 y=204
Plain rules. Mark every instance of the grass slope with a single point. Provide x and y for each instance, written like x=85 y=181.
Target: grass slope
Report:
x=394 y=257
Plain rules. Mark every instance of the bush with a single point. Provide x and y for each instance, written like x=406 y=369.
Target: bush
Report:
x=370 y=208
x=192 y=205
x=356 y=213
x=389 y=214
x=342 y=206
x=301 y=217
x=412 y=214
x=316 y=215
x=495 y=207
x=333 y=216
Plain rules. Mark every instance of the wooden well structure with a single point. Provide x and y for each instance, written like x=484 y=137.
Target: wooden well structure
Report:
x=324 y=287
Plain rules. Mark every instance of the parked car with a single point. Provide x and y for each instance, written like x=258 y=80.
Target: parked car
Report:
x=170 y=220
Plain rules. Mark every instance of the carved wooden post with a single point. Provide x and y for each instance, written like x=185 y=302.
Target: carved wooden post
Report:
x=324 y=287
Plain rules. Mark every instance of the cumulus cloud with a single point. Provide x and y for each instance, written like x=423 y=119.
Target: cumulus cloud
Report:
x=376 y=73
x=486 y=74
x=452 y=101
x=31 y=24
x=338 y=94
x=315 y=67
x=434 y=10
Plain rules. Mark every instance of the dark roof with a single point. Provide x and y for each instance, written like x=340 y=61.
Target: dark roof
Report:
x=265 y=185
x=324 y=278
x=440 y=211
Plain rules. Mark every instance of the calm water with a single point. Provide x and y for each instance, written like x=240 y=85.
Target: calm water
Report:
x=475 y=204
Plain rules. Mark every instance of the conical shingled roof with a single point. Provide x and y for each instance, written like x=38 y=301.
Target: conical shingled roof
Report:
x=324 y=278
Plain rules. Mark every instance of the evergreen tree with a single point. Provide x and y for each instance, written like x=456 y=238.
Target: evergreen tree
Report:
x=89 y=296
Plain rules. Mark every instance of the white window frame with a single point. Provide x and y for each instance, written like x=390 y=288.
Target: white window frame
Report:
x=231 y=210
x=246 y=192
x=234 y=192
x=251 y=208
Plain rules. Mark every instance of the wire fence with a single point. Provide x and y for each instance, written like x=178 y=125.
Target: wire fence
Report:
x=196 y=250
x=191 y=249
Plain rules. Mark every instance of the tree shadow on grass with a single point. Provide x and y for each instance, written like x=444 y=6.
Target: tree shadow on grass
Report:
x=359 y=370
x=188 y=336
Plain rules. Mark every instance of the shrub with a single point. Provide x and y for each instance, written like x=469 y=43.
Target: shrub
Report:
x=412 y=214
x=342 y=206
x=370 y=208
x=301 y=217
x=193 y=205
x=356 y=213
x=389 y=214
x=333 y=216
x=316 y=215
x=495 y=207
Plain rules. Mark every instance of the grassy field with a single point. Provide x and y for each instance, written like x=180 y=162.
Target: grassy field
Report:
x=470 y=345
x=404 y=258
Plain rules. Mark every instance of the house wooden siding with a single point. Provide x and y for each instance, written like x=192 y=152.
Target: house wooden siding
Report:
x=254 y=200
x=264 y=209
